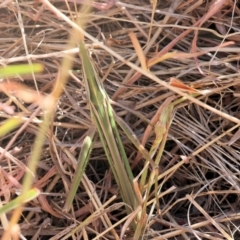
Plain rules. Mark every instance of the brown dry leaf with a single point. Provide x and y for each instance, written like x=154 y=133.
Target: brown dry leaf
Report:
x=178 y=84
x=46 y=206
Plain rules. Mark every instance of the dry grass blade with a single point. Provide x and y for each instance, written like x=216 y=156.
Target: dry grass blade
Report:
x=209 y=218
x=138 y=50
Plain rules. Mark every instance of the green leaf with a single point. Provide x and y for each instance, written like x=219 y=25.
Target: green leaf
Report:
x=30 y=195
x=9 y=125
x=13 y=70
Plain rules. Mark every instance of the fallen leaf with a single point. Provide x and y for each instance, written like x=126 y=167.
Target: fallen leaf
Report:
x=174 y=82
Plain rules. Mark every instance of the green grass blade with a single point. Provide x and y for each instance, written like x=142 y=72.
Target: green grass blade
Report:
x=9 y=125
x=13 y=70
x=81 y=165
x=30 y=195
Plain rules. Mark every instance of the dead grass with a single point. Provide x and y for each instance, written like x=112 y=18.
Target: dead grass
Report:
x=199 y=169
